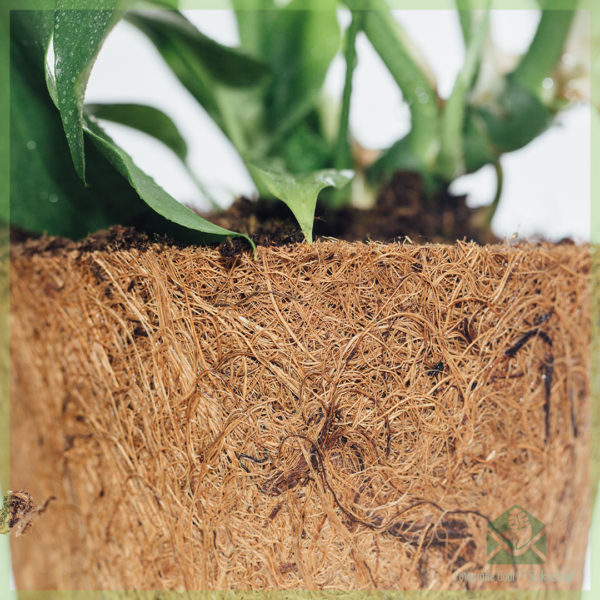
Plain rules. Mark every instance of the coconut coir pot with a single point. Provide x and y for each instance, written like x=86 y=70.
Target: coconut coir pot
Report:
x=334 y=416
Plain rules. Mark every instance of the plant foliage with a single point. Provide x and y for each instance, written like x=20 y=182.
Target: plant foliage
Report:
x=68 y=177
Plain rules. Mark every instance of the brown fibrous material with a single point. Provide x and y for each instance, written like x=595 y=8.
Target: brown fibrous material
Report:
x=334 y=416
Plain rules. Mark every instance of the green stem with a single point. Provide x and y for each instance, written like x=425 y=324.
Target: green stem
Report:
x=393 y=46
x=342 y=154
x=464 y=17
x=496 y=201
x=451 y=156
x=544 y=51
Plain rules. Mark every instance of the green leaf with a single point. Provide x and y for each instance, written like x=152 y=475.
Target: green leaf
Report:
x=78 y=37
x=517 y=114
x=478 y=149
x=161 y=202
x=514 y=118
x=228 y=66
x=304 y=149
x=298 y=42
x=46 y=194
x=144 y=118
x=157 y=124
x=300 y=192
x=220 y=78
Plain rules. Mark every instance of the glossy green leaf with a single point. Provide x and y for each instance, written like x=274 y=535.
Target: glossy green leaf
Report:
x=78 y=37
x=300 y=192
x=161 y=202
x=157 y=124
x=147 y=119
x=46 y=194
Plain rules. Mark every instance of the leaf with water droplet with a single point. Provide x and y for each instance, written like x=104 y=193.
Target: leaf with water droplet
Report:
x=78 y=37
x=46 y=194
x=48 y=171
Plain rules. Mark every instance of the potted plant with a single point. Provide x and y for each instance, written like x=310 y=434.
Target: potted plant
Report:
x=315 y=415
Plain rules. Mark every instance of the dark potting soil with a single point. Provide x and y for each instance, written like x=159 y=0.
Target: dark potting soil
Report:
x=117 y=237
x=402 y=210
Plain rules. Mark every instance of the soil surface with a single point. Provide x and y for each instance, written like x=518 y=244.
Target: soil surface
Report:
x=115 y=238
x=402 y=210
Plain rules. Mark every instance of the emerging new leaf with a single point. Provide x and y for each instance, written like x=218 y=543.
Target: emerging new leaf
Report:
x=300 y=192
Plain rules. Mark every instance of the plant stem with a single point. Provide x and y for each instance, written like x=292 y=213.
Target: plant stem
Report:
x=544 y=51
x=494 y=205
x=342 y=155
x=451 y=159
x=393 y=46
x=464 y=17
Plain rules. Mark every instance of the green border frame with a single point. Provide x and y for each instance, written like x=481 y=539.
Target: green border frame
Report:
x=594 y=8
